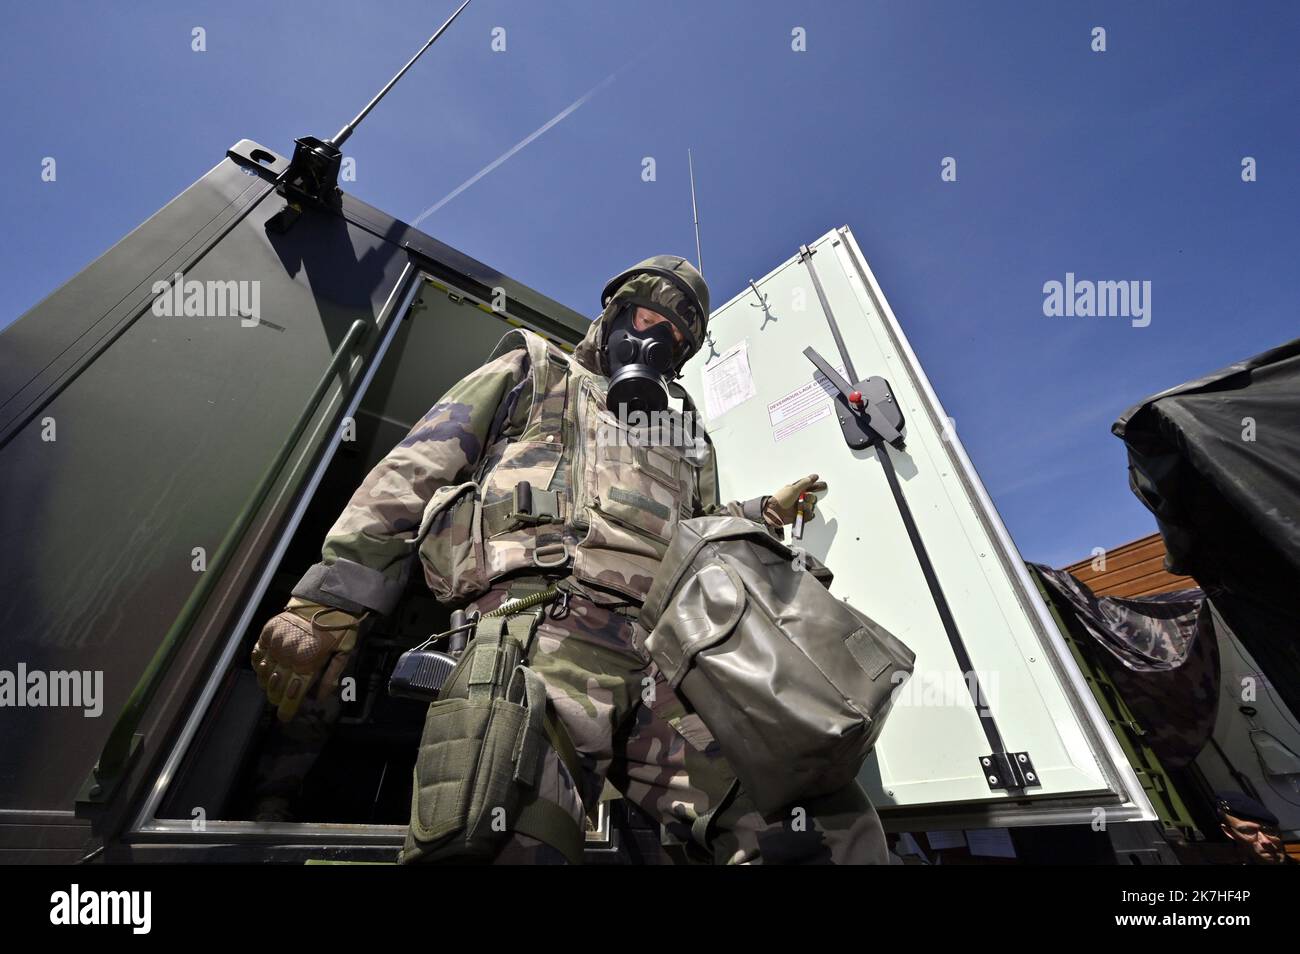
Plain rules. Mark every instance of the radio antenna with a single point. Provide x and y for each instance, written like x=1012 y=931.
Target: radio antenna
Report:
x=340 y=137
x=313 y=174
x=699 y=257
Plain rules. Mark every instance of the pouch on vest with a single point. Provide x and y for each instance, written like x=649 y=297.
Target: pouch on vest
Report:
x=451 y=544
x=793 y=683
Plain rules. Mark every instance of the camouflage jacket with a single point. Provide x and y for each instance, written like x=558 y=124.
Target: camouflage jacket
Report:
x=519 y=466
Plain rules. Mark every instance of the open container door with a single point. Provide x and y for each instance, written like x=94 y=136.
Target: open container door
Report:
x=773 y=419
x=157 y=412
x=168 y=418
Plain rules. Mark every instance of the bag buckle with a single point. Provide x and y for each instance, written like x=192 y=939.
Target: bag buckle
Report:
x=525 y=498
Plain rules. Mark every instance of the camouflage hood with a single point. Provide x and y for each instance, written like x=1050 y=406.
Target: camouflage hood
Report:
x=587 y=351
x=656 y=293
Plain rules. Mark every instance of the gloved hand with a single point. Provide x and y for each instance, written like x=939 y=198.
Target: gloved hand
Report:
x=780 y=507
x=307 y=640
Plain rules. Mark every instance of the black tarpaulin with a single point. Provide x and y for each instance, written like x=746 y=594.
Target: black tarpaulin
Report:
x=1217 y=460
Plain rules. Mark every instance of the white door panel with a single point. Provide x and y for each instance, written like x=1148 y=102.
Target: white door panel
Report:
x=929 y=754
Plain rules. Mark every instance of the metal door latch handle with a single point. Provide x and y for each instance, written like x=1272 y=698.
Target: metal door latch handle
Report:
x=867 y=409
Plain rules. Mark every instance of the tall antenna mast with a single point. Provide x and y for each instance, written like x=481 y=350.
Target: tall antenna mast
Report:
x=699 y=257
x=313 y=174
x=340 y=137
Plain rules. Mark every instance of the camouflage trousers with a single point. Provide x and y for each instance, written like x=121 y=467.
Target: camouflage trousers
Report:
x=289 y=752
x=630 y=728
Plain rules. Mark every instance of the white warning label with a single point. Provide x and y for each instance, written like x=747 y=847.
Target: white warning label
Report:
x=798 y=424
x=805 y=405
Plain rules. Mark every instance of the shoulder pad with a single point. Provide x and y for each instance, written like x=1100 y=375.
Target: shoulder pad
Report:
x=539 y=350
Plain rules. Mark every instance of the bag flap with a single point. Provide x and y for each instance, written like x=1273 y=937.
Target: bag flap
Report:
x=705 y=611
x=442 y=498
x=689 y=538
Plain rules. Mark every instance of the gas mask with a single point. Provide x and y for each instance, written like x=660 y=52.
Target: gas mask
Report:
x=640 y=365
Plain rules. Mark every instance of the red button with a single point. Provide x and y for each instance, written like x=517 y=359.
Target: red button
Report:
x=855 y=398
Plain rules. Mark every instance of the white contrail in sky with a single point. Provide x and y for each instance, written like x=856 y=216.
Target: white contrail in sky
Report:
x=519 y=145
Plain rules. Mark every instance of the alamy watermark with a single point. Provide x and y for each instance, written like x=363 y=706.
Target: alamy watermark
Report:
x=23 y=688
x=1083 y=298
x=76 y=906
x=932 y=689
x=182 y=298
x=654 y=429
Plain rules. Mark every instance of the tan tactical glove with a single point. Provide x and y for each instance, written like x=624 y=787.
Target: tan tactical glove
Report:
x=296 y=646
x=780 y=507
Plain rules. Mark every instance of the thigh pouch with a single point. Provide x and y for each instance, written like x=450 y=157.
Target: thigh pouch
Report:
x=481 y=754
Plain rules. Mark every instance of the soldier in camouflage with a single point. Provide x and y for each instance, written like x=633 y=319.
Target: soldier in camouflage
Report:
x=522 y=471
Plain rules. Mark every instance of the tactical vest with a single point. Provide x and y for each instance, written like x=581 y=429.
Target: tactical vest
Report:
x=574 y=489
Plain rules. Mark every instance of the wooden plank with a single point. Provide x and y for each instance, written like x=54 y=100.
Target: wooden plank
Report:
x=1149 y=585
x=1134 y=569
x=1126 y=574
x=1121 y=557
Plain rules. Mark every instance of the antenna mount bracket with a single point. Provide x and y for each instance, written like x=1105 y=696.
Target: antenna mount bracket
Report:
x=311 y=179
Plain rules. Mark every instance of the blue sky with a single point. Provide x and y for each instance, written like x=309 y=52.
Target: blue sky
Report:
x=1122 y=165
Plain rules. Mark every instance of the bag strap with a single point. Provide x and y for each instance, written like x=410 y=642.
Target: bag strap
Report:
x=548 y=822
x=703 y=828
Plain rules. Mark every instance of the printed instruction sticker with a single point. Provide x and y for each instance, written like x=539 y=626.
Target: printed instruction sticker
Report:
x=728 y=380
x=805 y=405
x=794 y=427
